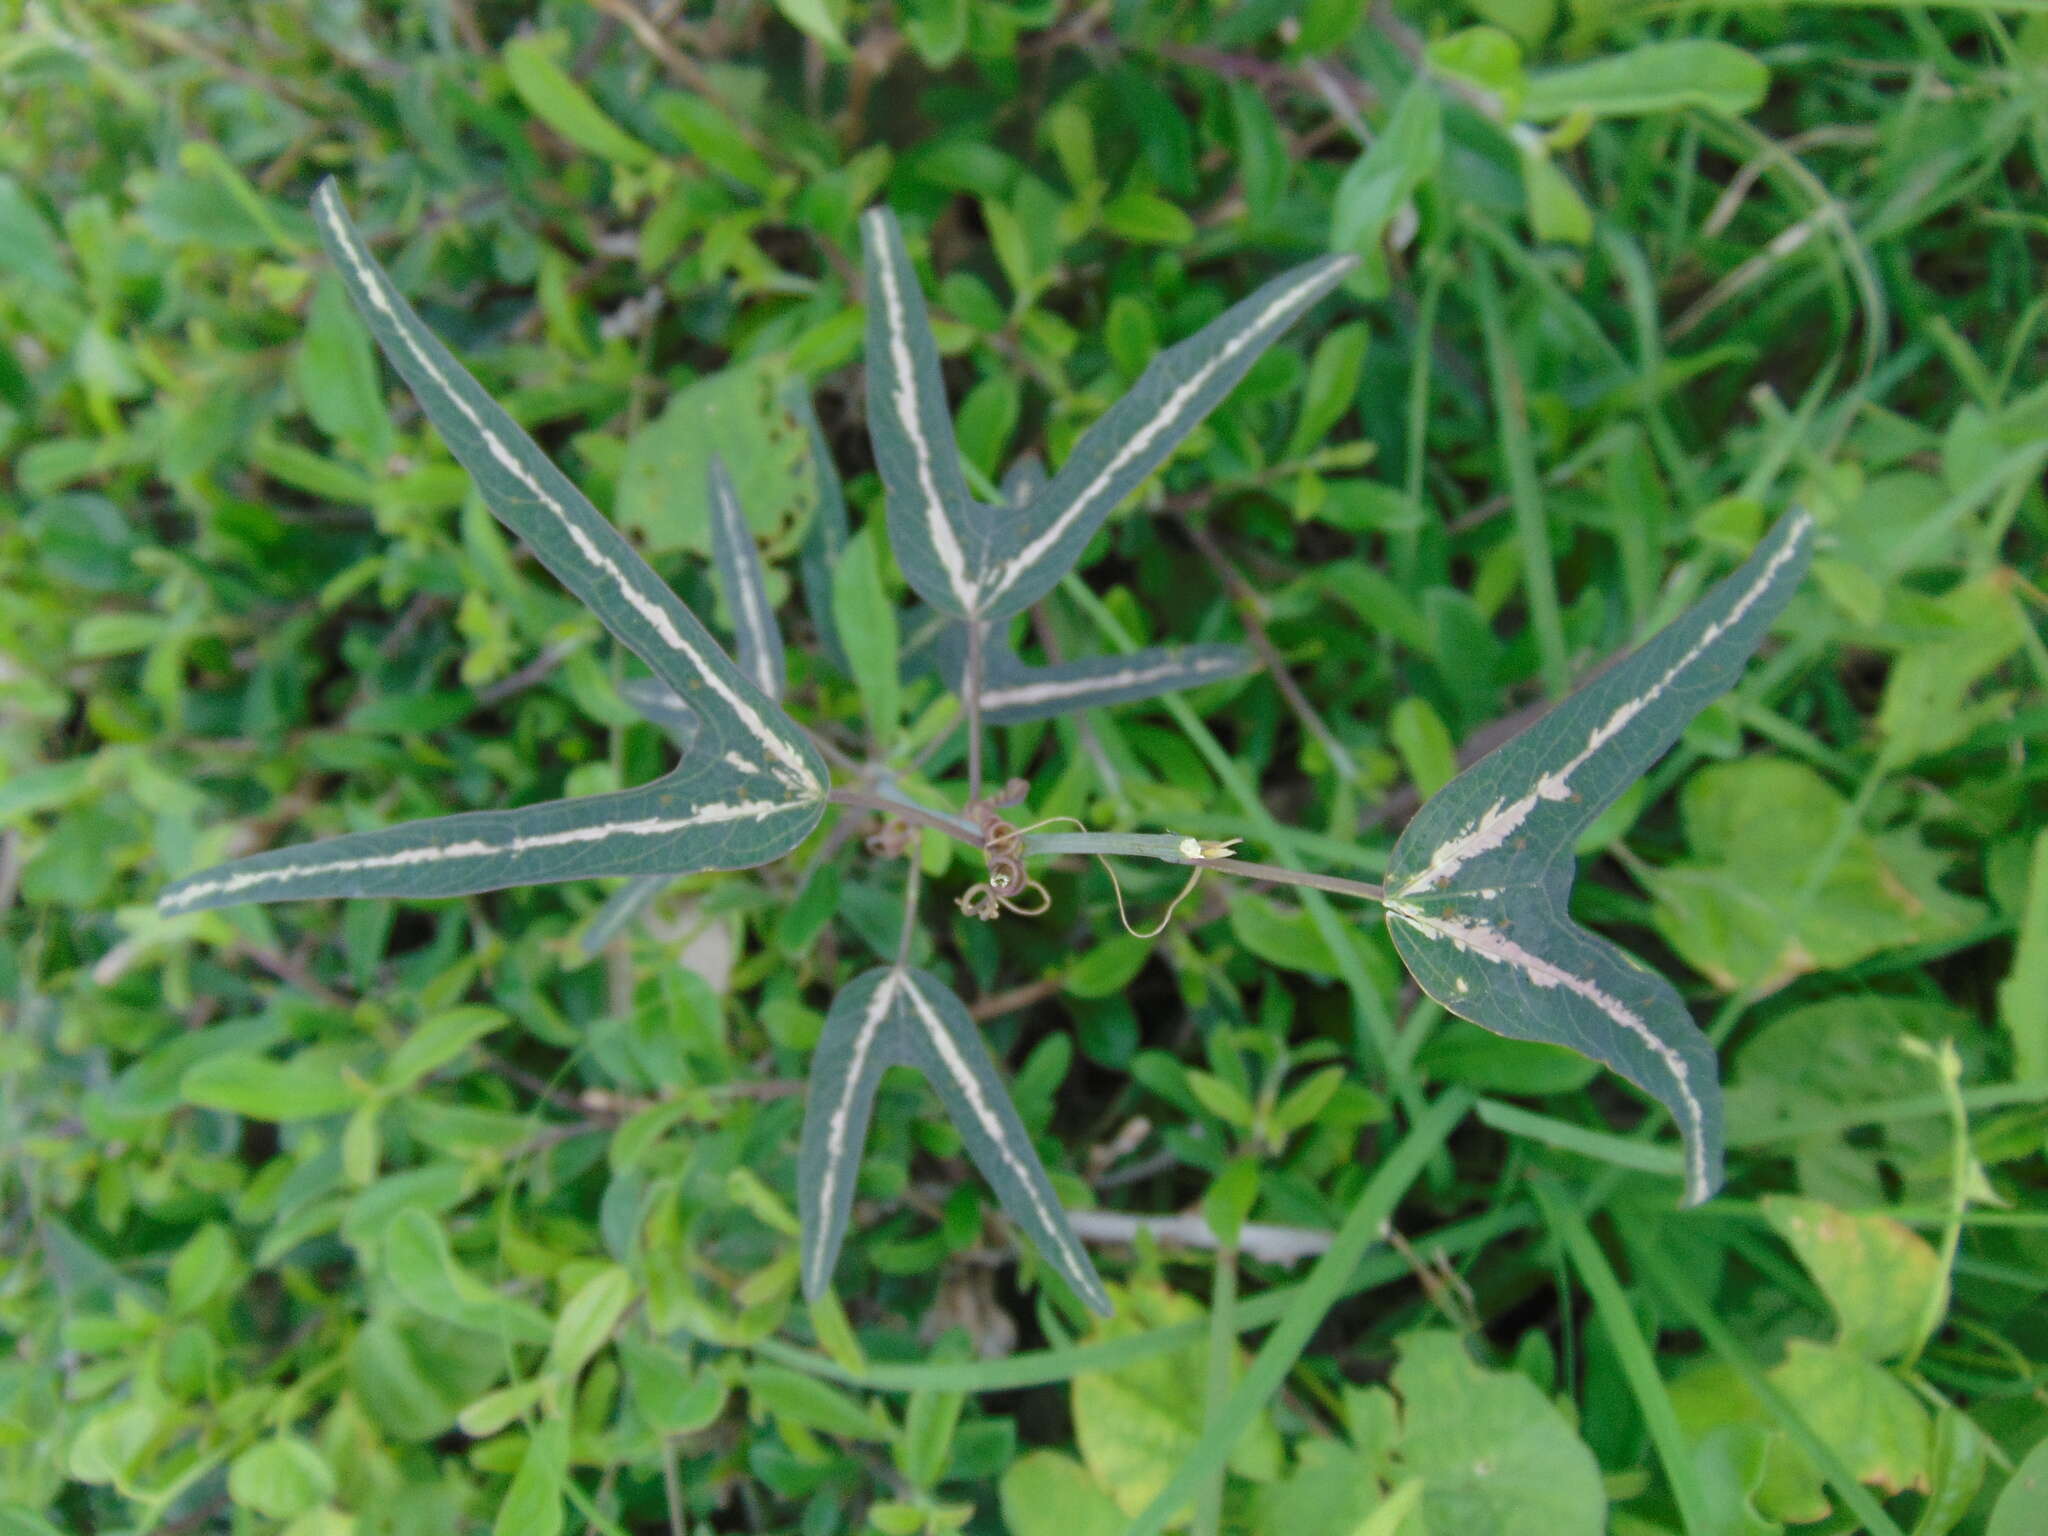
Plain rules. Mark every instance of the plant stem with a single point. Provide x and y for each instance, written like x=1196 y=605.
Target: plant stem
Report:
x=970 y=696
x=1166 y=847
x=910 y=886
x=876 y=798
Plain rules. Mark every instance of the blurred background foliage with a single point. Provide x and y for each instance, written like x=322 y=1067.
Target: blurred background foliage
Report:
x=404 y=1218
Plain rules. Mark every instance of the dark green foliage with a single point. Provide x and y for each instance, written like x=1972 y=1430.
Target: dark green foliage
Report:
x=403 y=1215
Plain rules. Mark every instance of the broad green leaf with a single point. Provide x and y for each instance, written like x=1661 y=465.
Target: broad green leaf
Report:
x=751 y=791
x=336 y=375
x=564 y=105
x=1014 y=691
x=424 y=1271
x=587 y=1320
x=280 y=1478
x=1136 y=1424
x=437 y=1042
x=1047 y=1494
x=752 y=417
x=1495 y=1457
x=901 y=1017
x=1385 y=177
x=2022 y=1508
x=814 y=1404
x=494 y=1410
x=1332 y=387
x=1137 y=434
x=1739 y=910
x=867 y=628
x=1657 y=77
x=942 y=536
x=1871 y=1418
x=1876 y=1273
x=1478 y=887
x=532 y=1505
x=672 y=1396
x=745 y=584
x=245 y=1083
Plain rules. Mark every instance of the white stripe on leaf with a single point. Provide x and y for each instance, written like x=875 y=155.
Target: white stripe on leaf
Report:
x=1489 y=943
x=419 y=847
x=1501 y=820
x=907 y=411
x=1026 y=1181
x=1137 y=433
x=895 y=1017
x=605 y=566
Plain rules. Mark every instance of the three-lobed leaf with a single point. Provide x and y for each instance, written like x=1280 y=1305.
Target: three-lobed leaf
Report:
x=1478 y=887
x=753 y=788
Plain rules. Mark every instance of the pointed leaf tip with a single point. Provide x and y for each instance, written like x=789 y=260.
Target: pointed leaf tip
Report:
x=1479 y=884
x=894 y=1016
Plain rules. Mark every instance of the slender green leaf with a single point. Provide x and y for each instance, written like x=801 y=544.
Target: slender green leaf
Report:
x=745 y=584
x=1480 y=882
x=900 y=1017
x=557 y=100
x=1383 y=179
x=1657 y=77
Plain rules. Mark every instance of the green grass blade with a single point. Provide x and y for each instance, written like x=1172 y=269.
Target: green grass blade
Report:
x=1479 y=884
x=746 y=585
x=1638 y=1361
x=1312 y=1302
x=1137 y=434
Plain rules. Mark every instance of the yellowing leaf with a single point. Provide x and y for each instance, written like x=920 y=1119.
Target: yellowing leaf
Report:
x=1877 y=1273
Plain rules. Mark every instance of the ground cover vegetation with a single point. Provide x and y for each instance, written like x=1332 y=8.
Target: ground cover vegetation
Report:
x=1278 y=409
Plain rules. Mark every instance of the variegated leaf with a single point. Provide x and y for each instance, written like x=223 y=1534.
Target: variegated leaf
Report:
x=942 y=536
x=828 y=532
x=758 y=642
x=1013 y=691
x=895 y=1016
x=1137 y=434
x=658 y=702
x=1479 y=885
x=676 y=825
x=589 y=556
x=1022 y=481
x=752 y=790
